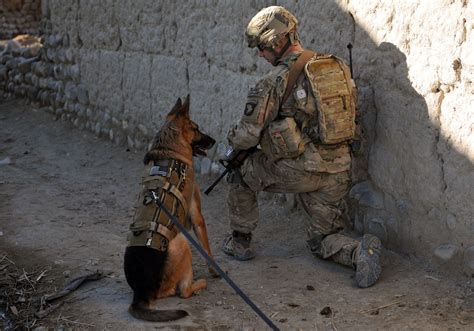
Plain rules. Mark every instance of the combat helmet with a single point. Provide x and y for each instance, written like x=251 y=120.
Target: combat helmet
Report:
x=269 y=26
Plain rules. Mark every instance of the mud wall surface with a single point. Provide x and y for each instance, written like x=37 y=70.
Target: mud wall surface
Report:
x=117 y=67
x=19 y=17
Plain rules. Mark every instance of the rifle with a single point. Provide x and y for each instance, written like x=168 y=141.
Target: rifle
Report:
x=234 y=159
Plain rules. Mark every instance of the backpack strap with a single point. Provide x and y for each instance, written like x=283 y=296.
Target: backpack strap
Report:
x=295 y=71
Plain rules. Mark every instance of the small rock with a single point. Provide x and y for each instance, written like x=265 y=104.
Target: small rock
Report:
x=469 y=260
x=446 y=252
x=5 y=161
x=310 y=287
x=205 y=166
x=451 y=222
x=66 y=273
x=326 y=311
x=216 y=168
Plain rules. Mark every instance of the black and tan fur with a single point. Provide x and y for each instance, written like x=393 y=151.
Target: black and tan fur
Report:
x=153 y=274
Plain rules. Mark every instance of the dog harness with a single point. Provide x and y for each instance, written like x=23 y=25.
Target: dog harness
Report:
x=151 y=227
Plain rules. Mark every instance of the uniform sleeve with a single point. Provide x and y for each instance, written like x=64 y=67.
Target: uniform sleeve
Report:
x=263 y=102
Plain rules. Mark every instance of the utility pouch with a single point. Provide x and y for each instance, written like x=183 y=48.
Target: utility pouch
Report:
x=286 y=139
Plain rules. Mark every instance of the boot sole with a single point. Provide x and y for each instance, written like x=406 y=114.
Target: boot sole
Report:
x=368 y=264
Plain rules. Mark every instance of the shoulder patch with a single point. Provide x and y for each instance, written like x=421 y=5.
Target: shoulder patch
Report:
x=250 y=107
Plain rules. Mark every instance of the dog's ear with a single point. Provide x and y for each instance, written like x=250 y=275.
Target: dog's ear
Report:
x=185 y=108
x=176 y=108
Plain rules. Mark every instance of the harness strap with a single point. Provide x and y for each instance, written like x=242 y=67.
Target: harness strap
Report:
x=295 y=71
x=151 y=226
x=174 y=190
x=163 y=230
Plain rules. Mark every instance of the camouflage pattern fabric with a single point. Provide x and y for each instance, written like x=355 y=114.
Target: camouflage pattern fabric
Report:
x=269 y=25
x=263 y=107
x=320 y=194
x=319 y=176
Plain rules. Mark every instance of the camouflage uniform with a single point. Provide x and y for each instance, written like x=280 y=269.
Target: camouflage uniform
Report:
x=320 y=176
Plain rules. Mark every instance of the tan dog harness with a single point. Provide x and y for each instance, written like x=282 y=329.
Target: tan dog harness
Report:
x=151 y=227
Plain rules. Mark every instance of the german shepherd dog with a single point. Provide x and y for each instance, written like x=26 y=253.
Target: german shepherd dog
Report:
x=154 y=274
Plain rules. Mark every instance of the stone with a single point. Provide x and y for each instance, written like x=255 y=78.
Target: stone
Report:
x=378 y=228
x=116 y=122
x=367 y=195
x=65 y=40
x=205 y=166
x=81 y=110
x=220 y=151
x=61 y=55
x=89 y=112
x=106 y=117
x=451 y=222
x=3 y=72
x=82 y=94
x=216 y=168
x=130 y=142
x=143 y=129
x=24 y=66
x=57 y=72
x=138 y=144
x=97 y=128
x=197 y=165
x=13 y=63
x=468 y=260
x=446 y=252
x=74 y=72
x=125 y=125
x=69 y=56
x=70 y=90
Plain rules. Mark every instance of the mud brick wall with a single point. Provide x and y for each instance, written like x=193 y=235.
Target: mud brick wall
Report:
x=116 y=68
x=19 y=17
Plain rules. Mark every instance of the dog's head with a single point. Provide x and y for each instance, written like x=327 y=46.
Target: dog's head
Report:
x=178 y=119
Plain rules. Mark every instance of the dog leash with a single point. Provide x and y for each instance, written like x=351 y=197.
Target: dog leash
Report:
x=212 y=263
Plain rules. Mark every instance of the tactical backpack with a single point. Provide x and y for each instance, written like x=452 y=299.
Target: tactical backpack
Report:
x=336 y=98
x=333 y=119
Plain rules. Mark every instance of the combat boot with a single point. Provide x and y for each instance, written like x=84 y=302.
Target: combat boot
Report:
x=238 y=245
x=367 y=261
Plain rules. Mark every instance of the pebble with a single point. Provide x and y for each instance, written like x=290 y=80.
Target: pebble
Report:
x=5 y=161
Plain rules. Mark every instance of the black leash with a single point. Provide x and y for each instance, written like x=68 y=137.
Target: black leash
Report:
x=212 y=263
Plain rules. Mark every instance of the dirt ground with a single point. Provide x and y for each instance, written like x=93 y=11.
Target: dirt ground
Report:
x=66 y=200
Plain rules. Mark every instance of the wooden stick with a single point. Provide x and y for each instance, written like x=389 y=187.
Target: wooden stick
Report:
x=381 y=307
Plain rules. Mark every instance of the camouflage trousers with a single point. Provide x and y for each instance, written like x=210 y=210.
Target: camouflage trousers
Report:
x=321 y=195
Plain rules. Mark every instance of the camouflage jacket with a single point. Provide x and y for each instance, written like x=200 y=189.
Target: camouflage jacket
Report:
x=263 y=107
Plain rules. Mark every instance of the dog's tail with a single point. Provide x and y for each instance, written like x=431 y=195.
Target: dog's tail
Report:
x=152 y=315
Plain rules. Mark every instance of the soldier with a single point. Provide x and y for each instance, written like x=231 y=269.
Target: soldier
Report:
x=293 y=156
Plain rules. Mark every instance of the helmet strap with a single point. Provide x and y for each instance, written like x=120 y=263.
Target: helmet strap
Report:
x=283 y=50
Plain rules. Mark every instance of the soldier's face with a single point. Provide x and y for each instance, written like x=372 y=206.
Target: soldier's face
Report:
x=268 y=55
